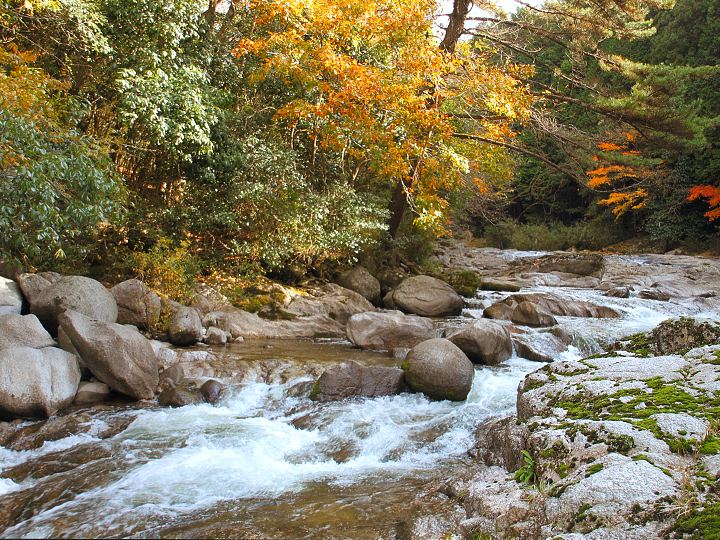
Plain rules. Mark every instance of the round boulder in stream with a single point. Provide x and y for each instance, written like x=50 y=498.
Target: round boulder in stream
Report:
x=439 y=369
x=427 y=296
x=484 y=342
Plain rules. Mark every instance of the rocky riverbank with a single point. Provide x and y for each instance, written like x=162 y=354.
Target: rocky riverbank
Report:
x=618 y=445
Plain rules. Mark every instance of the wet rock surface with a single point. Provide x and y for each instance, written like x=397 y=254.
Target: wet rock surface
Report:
x=611 y=441
x=351 y=379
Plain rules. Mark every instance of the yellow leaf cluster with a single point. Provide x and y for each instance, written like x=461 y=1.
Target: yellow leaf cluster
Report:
x=623 y=202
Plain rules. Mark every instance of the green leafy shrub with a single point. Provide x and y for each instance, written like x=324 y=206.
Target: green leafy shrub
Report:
x=168 y=268
x=57 y=185
x=508 y=234
x=527 y=472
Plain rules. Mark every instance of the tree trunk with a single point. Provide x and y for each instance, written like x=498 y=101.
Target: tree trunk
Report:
x=398 y=205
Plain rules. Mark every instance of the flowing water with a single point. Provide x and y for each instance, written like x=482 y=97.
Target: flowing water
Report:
x=269 y=463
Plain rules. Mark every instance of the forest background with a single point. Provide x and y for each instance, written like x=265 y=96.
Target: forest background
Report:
x=290 y=138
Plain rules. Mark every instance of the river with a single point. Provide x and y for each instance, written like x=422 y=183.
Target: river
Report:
x=267 y=462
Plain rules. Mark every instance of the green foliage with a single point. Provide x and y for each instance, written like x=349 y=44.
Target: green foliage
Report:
x=527 y=473
x=555 y=236
x=702 y=522
x=57 y=185
x=168 y=268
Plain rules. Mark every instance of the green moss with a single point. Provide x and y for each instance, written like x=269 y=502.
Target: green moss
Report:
x=315 y=391
x=703 y=522
x=592 y=469
x=662 y=397
x=465 y=282
x=621 y=444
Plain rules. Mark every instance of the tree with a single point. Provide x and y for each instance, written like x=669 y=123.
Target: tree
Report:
x=379 y=105
x=57 y=185
x=588 y=76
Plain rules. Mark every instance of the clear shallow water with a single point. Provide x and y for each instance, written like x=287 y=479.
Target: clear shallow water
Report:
x=266 y=463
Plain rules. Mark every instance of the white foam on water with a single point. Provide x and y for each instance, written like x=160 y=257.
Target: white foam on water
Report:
x=7 y=486
x=182 y=460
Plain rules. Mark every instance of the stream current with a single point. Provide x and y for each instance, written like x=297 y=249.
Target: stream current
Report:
x=267 y=462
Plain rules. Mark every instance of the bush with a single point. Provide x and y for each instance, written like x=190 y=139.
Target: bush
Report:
x=508 y=234
x=167 y=268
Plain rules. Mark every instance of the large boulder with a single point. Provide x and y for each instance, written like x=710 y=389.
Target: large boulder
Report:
x=529 y=314
x=331 y=300
x=116 y=354
x=427 y=296
x=36 y=382
x=583 y=264
x=23 y=331
x=439 y=369
x=32 y=285
x=136 y=303
x=78 y=293
x=10 y=297
x=548 y=303
x=361 y=281
x=186 y=327
x=384 y=331
x=351 y=379
x=484 y=342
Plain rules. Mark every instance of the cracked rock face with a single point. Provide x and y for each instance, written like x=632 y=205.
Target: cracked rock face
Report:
x=617 y=445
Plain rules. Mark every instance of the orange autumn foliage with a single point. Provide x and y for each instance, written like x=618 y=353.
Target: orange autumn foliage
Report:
x=377 y=91
x=620 y=175
x=711 y=194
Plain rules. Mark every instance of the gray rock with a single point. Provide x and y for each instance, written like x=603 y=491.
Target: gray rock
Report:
x=174 y=373
x=491 y=284
x=559 y=306
x=137 y=304
x=351 y=379
x=500 y=441
x=201 y=304
x=224 y=321
x=52 y=277
x=81 y=294
x=618 y=292
x=36 y=382
x=179 y=397
x=91 y=392
x=361 y=281
x=185 y=328
x=529 y=314
x=427 y=296
x=32 y=285
x=585 y=264
x=116 y=354
x=330 y=301
x=500 y=311
x=215 y=336
x=387 y=331
x=10 y=297
x=484 y=342
x=654 y=294
x=23 y=331
x=524 y=350
x=167 y=357
x=439 y=369
x=388 y=301
x=390 y=278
